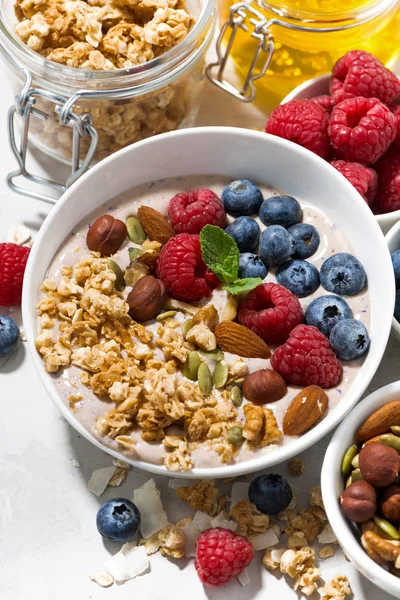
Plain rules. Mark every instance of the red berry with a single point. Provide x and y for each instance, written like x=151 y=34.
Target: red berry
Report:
x=181 y=267
x=364 y=179
x=271 y=311
x=307 y=359
x=12 y=268
x=358 y=73
x=303 y=122
x=190 y=211
x=221 y=555
x=325 y=101
x=388 y=169
x=395 y=108
x=362 y=129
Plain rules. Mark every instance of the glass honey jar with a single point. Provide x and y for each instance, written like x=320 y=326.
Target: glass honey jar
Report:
x=275 y=46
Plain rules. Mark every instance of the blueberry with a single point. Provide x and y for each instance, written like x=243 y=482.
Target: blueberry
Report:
x=251 y=265
x=349 y=339
x=298 y=276
x=270 y=493
x=276 y=245
x=118 y=520
x=324 y=312
x=245 y=231
x=242 y=197
x=397 y=307
x=306 y=238
x=343 y=274
x=396 y=267
x=280 y=210
x=9 y=335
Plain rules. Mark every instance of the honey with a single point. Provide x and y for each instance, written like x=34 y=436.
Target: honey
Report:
x=308 y=36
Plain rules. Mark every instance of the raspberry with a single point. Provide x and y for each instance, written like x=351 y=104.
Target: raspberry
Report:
x=364 y=179
x=181 y=267
x=190 y=211
x=362 y=129
x=303 y=122
x=358 y=73
x=12 y=268
x=325 y=101
x=388 y=169
x=307 y=359
x=395 y=108
x=221 y=555
x=271 y=311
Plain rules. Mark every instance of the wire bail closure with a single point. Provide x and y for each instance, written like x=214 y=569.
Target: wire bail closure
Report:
x=238 y=14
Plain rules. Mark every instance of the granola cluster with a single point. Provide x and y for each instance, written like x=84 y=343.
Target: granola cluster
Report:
x=108 y=35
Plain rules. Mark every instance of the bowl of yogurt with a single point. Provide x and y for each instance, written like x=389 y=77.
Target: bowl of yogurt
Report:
x=171 y=374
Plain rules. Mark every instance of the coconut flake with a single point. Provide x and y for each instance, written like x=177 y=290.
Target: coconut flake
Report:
x=18 y=234
x=295 y=494
x=243 y=577
x=327 y=535
x=152 y=514
x=264 y=540
x=121 y=464
x=102 y=579
x=191 y=533
x=75 y=463
x=276 y=554
x=128 y=563
x=202 y=521
x=99 y=480
x=222 y=520
x=240 y=491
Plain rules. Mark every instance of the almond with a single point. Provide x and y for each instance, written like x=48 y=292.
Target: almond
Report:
x=240 y=340
x=155 y=224
x=305 y=410
x=380 y=421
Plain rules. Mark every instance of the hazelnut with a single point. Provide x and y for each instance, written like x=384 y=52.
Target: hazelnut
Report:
x=264 y=386
x=147 y=298
x=390 y=503
x=359 y=501
x=106 y=235
x=379 y=464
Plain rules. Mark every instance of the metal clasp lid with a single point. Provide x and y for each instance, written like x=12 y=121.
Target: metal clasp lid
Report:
x=238 y=14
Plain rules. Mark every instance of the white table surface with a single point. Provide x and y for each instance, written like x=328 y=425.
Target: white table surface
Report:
x=48 y=538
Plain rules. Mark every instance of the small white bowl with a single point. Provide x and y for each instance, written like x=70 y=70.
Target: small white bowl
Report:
x=332 y=484
x=235 y=153
x=319 y=86
x=393 y=241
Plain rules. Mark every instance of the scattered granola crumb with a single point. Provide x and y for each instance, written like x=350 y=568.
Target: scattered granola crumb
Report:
x=102 y=579
x=326 y=552
x=249 y=519
x=336 y=589
x=296 y=466
x=315 y=497
x=200 y=496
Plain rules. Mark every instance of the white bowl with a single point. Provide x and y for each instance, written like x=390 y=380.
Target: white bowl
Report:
x=332 y=486
x=317 y=87
x=237 y=153
x=393 y=241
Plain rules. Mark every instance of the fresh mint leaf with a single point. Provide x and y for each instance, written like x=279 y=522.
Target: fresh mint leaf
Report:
x=220 y=253
x=243 y=285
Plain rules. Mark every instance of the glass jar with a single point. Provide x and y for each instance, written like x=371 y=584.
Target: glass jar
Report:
x=276 y=46
x=81 y=116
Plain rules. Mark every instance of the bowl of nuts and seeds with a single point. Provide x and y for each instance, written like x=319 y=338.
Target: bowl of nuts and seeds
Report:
x=360 y=487
x=204 y=317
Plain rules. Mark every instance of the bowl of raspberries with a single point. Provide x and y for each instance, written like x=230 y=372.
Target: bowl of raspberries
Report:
x=351 y=118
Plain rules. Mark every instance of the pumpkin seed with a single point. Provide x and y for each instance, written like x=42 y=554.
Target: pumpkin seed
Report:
x=389 y=439
x=184 y=307
x=236 y=395
x=191 y=365
x=165 y=315
x=356 y=475
x=387 y=527
x=356 y=461
x=220 y=374
x=347 y=458
x=119 y=283
x=216 y=354
x=235 y=435
x=134 y=253
x=349 y=481
x=395 y=429
x=188 y=324
x=204 y=378
x=135 y=231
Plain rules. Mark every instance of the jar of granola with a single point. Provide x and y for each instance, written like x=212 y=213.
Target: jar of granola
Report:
x=93 y=76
